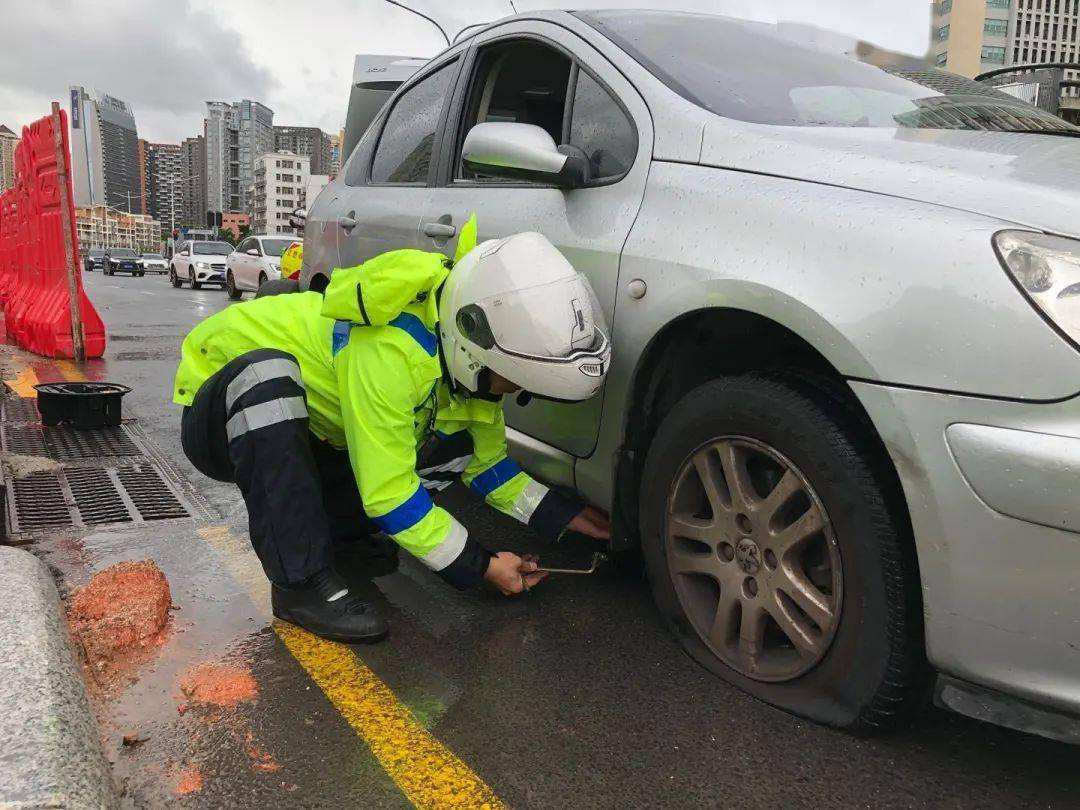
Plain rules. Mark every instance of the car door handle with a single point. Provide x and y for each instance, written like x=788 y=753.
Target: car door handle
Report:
x=347 y=223
x=438 y=230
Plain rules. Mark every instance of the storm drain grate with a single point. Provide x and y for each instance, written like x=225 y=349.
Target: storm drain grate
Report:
x=148 y=492
x=80 y=497
x=96 y=497
x=63 y=443
x=24 y=440
x=21 y=409
x=38 y=502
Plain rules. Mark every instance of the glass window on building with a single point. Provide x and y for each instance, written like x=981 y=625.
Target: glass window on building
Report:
x=942 y=33
x=996 y=28
x=942 y=58
x=945 y=6
x=991 y=53
x=996 y=4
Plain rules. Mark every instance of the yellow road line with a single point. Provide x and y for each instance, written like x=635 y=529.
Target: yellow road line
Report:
x=24 y=383
x=69 y=371
x=428 y=773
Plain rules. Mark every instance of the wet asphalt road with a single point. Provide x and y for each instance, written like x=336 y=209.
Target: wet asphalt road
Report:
x=572 y=697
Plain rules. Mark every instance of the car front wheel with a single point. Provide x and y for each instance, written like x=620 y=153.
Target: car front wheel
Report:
x=777 y=554
x=195 y=285
x=235 y=294
x=174 y=279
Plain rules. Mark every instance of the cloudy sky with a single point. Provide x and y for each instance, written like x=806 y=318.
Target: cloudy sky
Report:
x=166 y=57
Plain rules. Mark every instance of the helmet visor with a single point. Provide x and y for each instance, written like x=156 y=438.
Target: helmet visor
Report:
x=558 y=321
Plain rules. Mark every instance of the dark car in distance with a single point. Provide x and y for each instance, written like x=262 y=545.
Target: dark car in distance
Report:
x=123 y=260
x=94 y=260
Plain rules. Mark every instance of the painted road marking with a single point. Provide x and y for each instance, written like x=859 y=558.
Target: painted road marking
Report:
x=427 y=772
x=23 y=383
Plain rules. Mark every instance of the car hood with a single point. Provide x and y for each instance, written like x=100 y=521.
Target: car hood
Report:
x=213 y=257
x=1028 y=179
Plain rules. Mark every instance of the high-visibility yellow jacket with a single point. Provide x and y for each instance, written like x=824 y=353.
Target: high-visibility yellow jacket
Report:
x=370 y=362
x=292 y=260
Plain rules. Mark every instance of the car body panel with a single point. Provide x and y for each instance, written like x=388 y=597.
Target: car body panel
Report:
x=185 y=266
x=247 y=269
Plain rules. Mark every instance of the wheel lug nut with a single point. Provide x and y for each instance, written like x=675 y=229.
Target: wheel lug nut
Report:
x=770 y=559
x=727 y=553
x=744 y=524
x=750 y=587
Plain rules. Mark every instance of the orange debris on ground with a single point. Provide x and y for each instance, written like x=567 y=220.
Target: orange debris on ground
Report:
x=124 y=609
x=190 y=781
x=261 y=760
x=224 y=685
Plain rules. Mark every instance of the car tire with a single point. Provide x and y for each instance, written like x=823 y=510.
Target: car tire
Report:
x=868 y=671
x=195 y=285
x=262 y=279
x=230 y=287
x=174 y=279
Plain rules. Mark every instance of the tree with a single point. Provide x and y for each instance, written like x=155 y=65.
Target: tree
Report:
x=226 y=235
x=245 y=232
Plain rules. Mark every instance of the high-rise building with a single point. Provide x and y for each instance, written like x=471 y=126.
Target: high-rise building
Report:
x=280 y=182
x=193 y=187
x=8 y=141
x=237 y=134
x=105 y=227
x=104 y=151
x=335 y=152
x=162 y=170
x=309 y=141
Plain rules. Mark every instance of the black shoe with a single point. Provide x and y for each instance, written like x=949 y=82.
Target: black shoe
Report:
x=348 y=618
x=366 y=558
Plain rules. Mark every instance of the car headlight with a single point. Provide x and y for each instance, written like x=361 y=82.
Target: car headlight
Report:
x=1047 y=269
x=203 y=265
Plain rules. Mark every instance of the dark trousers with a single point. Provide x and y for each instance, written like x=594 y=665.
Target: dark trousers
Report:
x=248 y=425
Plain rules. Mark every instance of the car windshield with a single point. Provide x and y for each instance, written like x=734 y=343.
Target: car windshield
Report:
x=211 y=248
x=122 y=253
x=753 y=72
x=97 y=253
x=275 y=247
x=153 y=256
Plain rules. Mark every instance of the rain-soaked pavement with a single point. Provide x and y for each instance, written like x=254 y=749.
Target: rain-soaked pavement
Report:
x=572 y=697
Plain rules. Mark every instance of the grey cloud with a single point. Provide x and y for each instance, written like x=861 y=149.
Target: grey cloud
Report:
x=161 y=56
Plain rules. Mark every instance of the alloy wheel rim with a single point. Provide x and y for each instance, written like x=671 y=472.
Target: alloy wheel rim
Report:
x=754 y=559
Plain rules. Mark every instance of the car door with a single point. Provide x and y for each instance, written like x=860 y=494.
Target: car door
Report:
x=540 y=73
x=237 y=263
x=387 y=181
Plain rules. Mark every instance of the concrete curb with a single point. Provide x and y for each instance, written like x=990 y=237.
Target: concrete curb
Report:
x=50 y=751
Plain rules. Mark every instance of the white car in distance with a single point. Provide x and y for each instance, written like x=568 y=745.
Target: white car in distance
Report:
x=153 y=263
x=257 y=259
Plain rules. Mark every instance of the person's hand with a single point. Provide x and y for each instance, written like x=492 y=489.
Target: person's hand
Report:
x=509 y=574
x=591 y=522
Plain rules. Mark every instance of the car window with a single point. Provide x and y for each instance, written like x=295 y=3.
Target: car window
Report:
x=521 y=81
x=408 y=138
x=122 y=253
x=243 y=246
x=275 y=247
x=212 y=248
x=600 y=128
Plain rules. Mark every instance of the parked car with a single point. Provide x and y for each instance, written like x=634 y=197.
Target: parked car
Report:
x=94 y=260
x=841 y=422
x=255 y=261
x=153 y=263
x=122 y=260
x=198 y=263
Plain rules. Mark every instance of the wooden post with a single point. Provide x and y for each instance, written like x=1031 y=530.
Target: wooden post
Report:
x=67 y=217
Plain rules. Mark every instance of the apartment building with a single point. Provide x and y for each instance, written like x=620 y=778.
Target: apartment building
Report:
x=309 y=141
x=281 y=180
x=105 y=227
x=335 y=153
x=193 y=187
x=8 y=141
x=161 y=172
x=237 y=135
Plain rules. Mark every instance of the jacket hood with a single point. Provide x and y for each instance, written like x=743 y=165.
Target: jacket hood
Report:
x=377 y=291
x=1027 y=179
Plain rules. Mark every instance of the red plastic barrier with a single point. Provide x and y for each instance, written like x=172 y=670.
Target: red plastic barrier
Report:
x=33 y=256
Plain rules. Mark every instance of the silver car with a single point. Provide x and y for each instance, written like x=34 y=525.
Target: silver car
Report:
x=842 y=423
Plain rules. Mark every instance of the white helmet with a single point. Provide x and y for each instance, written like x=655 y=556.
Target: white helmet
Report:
x=516 y=306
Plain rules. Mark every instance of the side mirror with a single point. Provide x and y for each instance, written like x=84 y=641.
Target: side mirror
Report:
x=252 y=251
x=523 y=152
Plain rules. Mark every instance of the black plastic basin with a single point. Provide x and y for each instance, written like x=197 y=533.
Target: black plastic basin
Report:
x=83 y=405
